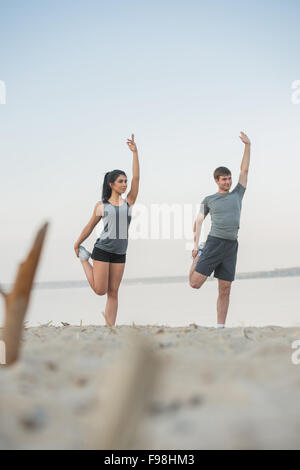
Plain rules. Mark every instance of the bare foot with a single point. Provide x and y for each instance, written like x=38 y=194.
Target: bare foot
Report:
x=106 y=321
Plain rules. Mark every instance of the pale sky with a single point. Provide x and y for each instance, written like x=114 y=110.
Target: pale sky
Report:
x=186 y=78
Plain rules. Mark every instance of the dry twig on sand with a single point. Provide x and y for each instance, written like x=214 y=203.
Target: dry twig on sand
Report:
x=17 y=300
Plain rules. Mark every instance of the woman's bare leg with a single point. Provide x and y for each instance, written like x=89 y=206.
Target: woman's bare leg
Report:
x=97 y=275
x=88 y=269
x=116 y=271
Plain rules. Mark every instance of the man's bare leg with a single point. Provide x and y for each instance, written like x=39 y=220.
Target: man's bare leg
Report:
x=196 y=279
x=223 y=300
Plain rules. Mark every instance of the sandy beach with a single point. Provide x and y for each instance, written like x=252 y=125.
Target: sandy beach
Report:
x=235 y=388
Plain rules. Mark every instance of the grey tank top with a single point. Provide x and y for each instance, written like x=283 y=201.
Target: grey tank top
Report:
x=114 y=237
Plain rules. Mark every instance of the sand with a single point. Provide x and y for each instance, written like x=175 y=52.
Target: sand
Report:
x=235 y=388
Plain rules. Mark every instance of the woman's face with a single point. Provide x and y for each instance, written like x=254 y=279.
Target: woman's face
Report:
x=120 y=184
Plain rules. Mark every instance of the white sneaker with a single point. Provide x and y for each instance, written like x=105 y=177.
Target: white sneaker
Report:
x=201 y=247
x=84 y=255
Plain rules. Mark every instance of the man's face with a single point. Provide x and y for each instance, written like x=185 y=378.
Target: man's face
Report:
x=224 y=182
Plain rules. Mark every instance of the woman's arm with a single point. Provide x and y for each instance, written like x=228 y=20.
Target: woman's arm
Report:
x=132 y=195
x=96 y=217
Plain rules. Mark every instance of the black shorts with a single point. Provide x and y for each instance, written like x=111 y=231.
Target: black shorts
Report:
x=107 y=256
x=218 y=255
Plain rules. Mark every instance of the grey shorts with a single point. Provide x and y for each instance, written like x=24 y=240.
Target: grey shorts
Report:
x=218 y=255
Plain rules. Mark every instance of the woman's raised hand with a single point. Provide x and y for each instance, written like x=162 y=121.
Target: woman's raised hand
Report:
x=131 y=143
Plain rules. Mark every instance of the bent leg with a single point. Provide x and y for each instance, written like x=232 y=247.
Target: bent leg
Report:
x=97 y=275
x=223 y=300
x=88 y=269
x=116 y=271
x=196 y=279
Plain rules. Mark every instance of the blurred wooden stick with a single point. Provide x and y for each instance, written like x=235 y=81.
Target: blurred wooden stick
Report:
x=129 y=393
x=16 y=301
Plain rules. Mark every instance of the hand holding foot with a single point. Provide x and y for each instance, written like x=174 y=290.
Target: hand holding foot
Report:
x=76 y=249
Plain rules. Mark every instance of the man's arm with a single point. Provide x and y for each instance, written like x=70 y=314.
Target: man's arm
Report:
x=197 y=231
x=245 y=161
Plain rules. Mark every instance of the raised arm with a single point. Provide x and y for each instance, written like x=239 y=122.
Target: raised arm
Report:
x=134 y=189
x=245 y=161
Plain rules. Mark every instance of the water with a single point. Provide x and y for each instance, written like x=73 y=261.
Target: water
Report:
x=253 y=302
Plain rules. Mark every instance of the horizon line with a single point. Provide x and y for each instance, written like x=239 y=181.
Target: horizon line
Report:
x=279 y=272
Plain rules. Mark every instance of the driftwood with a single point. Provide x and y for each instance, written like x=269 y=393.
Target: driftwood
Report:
x=130 y=388
x=17 y=300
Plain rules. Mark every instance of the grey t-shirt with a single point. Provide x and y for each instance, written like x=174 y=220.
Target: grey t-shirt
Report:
x=225 y=212
x=114 y=237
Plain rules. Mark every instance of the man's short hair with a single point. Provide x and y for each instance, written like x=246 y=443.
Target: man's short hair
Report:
x=221 y=171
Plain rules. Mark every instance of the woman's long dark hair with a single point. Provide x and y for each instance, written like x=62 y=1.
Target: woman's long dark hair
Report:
x=110 y=177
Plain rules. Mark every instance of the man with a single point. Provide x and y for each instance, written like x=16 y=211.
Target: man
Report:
x=220 y=250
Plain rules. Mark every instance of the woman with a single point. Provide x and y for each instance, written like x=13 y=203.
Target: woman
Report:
x=109 y=253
